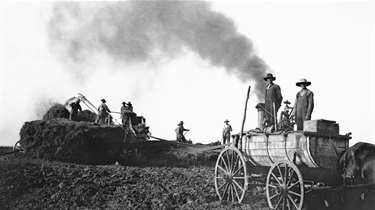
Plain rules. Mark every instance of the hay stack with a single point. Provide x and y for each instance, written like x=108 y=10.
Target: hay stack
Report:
x=86 y=116
x=56 y=111
x=59 y=111
x=68 y=141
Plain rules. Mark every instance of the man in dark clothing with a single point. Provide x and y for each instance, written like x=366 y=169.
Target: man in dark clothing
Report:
x=180 y=132
x=74 y=111
x=130 y=107
x=124 y=117
x=273 y=97
x=304 y=104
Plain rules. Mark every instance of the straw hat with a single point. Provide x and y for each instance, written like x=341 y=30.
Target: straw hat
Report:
x=303 y=81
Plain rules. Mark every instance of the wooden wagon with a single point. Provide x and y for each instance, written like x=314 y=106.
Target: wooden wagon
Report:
x=288 y=164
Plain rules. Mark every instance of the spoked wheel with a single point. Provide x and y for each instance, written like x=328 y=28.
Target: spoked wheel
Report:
x=231 y=175
x=17 y=149
x=284 y=187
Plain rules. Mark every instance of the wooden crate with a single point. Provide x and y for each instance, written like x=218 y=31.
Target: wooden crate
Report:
x=321 y=126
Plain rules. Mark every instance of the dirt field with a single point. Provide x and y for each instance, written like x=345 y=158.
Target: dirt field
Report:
x=37 y=184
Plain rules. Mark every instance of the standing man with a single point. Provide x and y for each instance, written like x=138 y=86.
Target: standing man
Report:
x=130 y=107
x=124 y=117
x=226 y=132
x=285 y=123
x=180 y=132
x=74 y=111
x=304 y=104
x=273 y=98
x=103 y=112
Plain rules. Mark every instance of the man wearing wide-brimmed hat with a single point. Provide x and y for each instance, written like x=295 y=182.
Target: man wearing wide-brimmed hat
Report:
x=226 y=132
x=103 y=112
x=123 y=110
x=130 y=107
x=304 y=104
x=273 y=99
x=180 y=132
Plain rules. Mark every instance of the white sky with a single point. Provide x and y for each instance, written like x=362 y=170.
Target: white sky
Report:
x=329 y=43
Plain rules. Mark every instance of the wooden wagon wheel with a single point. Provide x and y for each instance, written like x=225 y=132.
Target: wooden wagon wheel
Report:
x=284 y=187
x=231 y=175
x=17 y=149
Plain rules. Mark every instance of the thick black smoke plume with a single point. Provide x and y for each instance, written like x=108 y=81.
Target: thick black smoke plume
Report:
x=143 y=31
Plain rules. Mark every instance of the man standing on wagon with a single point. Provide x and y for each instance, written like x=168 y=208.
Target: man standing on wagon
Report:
x=304 y=104
x=273 y=98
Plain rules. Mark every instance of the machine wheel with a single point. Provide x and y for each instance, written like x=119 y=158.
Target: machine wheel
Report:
x=231 y=175
x=284 y=187
x=17 y=149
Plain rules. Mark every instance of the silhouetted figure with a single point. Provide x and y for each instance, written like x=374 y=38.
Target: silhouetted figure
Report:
x=74 y=111
x=103 y=112
x=180 y=132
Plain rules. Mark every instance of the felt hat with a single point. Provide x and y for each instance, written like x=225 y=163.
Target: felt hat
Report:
x=182 y=122
x=103 y=100
x=129 y=103
x=124 y=102
x=303 y=81
x=226 y=120
x=269 y=76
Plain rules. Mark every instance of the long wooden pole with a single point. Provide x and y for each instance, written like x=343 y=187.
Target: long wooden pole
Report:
x=274 y=115
x=244 y=115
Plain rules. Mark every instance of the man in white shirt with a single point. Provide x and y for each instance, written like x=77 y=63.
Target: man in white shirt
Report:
x=226 y=132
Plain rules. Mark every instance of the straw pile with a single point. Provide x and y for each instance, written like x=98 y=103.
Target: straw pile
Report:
x=69 y=141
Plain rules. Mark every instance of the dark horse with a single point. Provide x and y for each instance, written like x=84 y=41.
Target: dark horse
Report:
x=357 y=164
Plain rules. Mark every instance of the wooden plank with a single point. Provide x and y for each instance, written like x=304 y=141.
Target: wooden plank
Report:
x=209 y=148
x=178 y=143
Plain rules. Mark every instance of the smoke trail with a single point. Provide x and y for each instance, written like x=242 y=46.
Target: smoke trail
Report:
x=144 y=31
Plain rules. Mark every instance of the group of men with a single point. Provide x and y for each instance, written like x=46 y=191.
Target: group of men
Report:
x=126 y=110
x=301 y=111
x=103 y=116
x=303 y=105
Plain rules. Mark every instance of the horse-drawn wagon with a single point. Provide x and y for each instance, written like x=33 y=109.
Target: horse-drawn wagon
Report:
x=289 y=164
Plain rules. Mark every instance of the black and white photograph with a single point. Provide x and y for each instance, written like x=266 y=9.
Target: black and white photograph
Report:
x=187 y=104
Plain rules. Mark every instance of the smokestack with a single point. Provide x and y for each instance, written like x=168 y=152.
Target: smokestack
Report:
x=145 y=31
